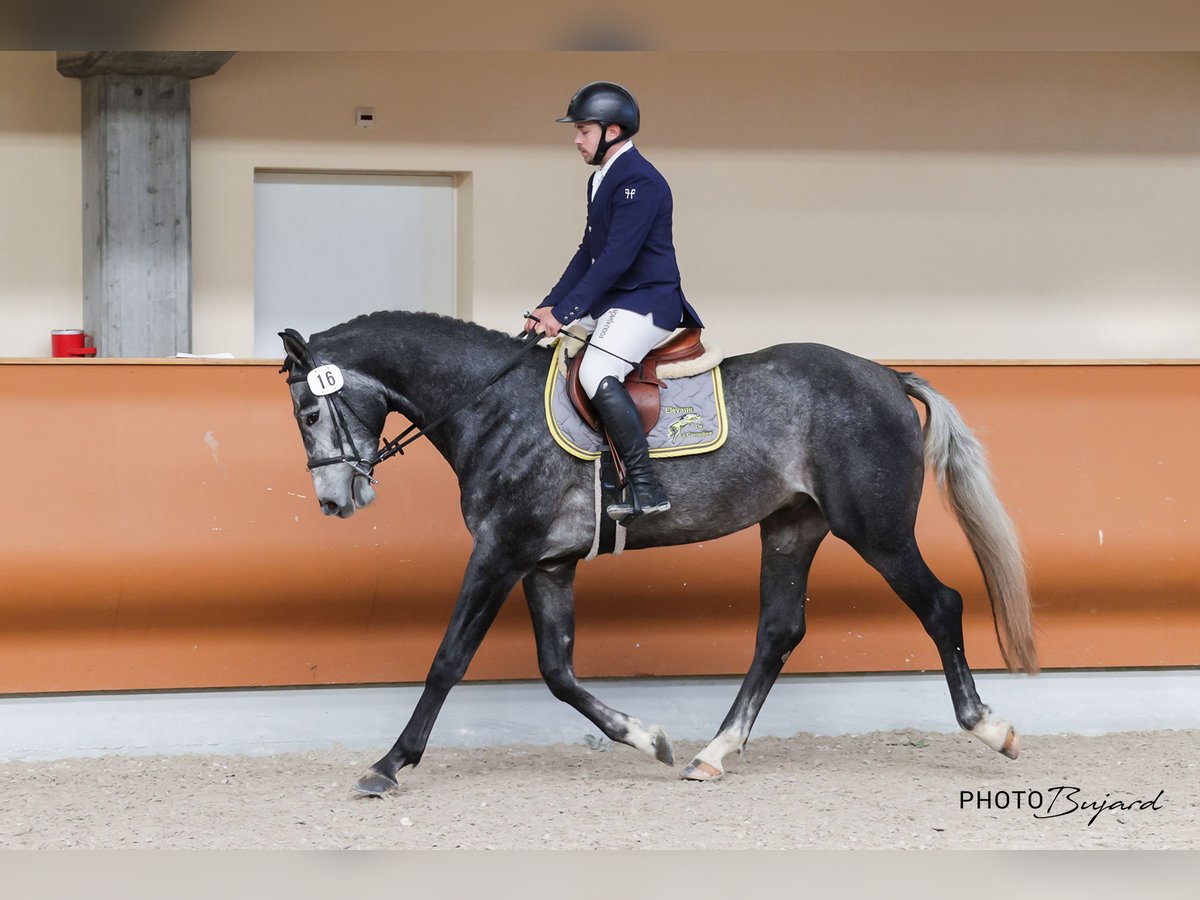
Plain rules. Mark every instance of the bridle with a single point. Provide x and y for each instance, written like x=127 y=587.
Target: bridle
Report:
x=334 y=403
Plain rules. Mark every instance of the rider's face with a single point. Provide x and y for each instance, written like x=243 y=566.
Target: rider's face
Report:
x=587 y=138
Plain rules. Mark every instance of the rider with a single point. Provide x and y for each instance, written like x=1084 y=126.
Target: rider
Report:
x=623 y=284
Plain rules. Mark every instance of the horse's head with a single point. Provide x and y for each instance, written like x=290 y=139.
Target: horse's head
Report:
x=340 y=415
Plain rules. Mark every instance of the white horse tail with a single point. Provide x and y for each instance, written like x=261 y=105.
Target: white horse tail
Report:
x=960 y=465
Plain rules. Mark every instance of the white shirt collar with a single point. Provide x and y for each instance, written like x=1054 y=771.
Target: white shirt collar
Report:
x=603 y=170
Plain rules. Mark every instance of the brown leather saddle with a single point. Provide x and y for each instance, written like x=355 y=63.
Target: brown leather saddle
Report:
x=644 y=386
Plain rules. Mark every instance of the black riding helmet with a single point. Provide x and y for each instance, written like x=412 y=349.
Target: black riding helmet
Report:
x=606 y=104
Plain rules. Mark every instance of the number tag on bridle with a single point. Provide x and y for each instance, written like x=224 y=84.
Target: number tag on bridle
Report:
x=325 y=380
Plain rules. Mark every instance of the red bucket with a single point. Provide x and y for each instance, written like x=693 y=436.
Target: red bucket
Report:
x=69 y=342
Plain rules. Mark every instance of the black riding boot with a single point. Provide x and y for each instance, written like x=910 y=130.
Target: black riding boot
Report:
x=620 y=417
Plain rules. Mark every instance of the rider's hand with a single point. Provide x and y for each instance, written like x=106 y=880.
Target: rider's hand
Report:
x=546 y=323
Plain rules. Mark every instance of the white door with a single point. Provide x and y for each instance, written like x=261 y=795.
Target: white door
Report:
x=330 y=247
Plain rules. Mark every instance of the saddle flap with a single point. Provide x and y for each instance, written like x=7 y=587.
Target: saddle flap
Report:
x=644 y=394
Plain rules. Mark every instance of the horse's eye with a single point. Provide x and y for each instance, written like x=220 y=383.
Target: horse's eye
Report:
x=311 y=419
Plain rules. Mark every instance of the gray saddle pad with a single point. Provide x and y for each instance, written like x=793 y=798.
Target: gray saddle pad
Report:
x=693 y=417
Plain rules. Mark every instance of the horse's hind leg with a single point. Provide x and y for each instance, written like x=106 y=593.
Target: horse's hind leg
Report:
x=790 y=538
x=940 y=610
x=552 y=609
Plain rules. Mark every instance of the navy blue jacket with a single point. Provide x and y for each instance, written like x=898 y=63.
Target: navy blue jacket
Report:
x=626 y=259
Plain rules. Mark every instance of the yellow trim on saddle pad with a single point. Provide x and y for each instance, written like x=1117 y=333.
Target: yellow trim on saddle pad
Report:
x=563 y=440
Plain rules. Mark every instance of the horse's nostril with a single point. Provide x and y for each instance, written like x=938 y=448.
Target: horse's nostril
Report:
x=329 y=507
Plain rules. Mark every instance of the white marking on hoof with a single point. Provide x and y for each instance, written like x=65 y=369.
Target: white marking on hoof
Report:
x=1012 y=746
x=664 y=752
x=708 y=762
x=699 y=770
x=653 y=742
x=998 y=735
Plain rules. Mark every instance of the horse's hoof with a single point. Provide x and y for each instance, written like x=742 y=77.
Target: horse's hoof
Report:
x=375 y=784
x=663 y=751
x=698 y=770
x=1012 y=744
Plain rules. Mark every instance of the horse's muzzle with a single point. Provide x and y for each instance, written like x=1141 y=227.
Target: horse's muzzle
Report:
x=361 y=494
x=362 y=491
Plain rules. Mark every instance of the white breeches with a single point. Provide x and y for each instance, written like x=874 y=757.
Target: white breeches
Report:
x=626 y=334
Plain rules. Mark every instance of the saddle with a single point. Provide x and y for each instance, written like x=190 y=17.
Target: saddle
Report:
x=644 y=385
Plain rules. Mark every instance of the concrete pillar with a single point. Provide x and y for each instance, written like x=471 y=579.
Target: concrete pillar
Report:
x=137 y=214
x=137 y=217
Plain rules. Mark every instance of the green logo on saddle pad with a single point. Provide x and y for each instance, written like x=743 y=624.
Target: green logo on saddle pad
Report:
x=675 y=430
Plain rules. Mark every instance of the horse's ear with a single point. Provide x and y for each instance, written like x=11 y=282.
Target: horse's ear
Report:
x=295 y=348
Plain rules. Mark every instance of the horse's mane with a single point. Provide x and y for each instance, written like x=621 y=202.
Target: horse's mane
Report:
x=427 y=326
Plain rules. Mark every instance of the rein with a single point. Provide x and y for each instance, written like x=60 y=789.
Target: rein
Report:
x=531 y=338
x=587 y=343
x=362 y=464
x=398 y=443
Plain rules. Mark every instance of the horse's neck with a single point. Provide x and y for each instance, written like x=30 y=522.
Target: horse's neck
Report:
x=427 y=375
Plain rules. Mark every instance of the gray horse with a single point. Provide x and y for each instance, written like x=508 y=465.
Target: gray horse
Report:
x=819 y=441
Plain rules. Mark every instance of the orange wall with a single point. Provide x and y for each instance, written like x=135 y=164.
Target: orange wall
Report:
x=160 y=531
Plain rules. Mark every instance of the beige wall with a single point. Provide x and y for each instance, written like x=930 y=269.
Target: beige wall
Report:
x=41 y=283
x=896 y=205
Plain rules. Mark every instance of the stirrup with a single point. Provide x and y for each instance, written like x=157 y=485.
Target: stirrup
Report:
x=627 y=511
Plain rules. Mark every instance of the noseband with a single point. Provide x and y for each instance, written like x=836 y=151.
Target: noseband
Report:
x=328 y=389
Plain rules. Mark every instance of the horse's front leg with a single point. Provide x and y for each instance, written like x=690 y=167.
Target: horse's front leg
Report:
x=490 y=577
x=552 y=609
